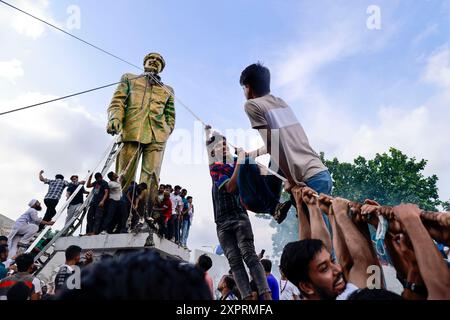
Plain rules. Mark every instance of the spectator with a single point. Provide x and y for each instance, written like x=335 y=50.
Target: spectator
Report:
x=226 y=287
x=3 y=258
x=204 y=263
x=73 y=257
x=287 y=290
x=163 y=212
x=25 y=228
x=98 y=202
x=160 y=197
x=19 y=292
x=174 y=222
x=140 y=276
x=188 y=215
x=51 y=199
x=234 y=230
x=3 y=240
x=271 y=280
x=78 y=200
x=25 y=269
x=169 y=188
x=132 y=199
x=115 y=212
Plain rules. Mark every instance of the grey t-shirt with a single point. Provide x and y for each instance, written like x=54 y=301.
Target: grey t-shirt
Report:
x=290 y=148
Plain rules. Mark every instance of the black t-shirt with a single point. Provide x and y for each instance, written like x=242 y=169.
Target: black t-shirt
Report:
x=99 y=189
x=78 y=199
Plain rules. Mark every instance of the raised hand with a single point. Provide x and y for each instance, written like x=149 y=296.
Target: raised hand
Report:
x=325 y=202
x=310 y=197
x=340 y=205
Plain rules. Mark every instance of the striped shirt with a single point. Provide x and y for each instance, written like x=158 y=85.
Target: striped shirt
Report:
x=55 y=188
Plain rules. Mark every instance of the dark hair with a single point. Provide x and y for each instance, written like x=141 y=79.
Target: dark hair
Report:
x=257 y=77
x=24 y=262
x=188 y=197
x=74 y=176
x=98 y=175
x=59 y=176
x=18 y=292
x=162 y=185
x=183 y=190
x=296 y=257
x=3 y=238
x=142 y=186
x=169 y=186
x=3 y=249
x=229 y=281
x=142 y=275
x=72 y=252
x=204 y=262
x=110 y=175
x=177 y=188
x=374 y=294
x=267 y=265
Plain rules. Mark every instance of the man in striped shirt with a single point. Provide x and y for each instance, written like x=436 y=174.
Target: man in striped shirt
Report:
x=55 y=190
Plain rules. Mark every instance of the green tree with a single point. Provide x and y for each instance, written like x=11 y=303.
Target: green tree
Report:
x=390 y=178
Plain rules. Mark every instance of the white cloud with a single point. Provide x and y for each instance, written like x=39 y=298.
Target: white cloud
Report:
x=24 y=24
x=438 y=67
x=11 y=70
x=60 y=138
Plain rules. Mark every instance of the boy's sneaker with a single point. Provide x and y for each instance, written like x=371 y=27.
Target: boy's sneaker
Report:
x=281 y=211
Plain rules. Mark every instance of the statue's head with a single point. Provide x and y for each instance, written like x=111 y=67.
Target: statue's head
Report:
x=154 y=63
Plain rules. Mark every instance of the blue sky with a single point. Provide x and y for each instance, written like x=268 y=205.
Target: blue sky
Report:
x=355 y=91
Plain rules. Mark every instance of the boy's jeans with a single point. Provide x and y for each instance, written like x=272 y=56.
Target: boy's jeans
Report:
x=259 y=194
x=236 y=239
x=185 y=231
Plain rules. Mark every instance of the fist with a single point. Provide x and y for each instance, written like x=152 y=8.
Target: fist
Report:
x=41 y=172
x=114 y=126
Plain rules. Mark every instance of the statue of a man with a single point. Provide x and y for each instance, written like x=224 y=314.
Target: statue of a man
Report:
x=143 y=111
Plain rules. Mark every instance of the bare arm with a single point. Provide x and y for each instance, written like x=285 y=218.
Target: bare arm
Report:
x=432 y=267
x=41 y=177
x=304 y=228
x=89 y=182
x=356 y=244
x=318 y=227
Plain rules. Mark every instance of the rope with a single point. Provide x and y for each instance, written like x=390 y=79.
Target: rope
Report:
x=65 y=97
x=72 y=35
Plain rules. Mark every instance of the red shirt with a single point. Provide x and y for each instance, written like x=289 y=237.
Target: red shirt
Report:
x=167 y=213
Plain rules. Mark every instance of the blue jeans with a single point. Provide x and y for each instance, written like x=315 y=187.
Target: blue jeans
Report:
x=260 y=194
x=237 y=241
x=321 y=182
x=186 y=225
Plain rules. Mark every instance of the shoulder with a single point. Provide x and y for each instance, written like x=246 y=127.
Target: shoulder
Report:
x=128 y=76
x=169 y=88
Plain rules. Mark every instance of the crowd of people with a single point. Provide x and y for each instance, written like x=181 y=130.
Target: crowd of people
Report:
x=111 y=211
x=337 y=256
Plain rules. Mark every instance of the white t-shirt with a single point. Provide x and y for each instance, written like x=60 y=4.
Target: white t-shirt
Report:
x=37 y=285
x=115 y=190
x=349 y=289
x=288 y=290
x=176 y=202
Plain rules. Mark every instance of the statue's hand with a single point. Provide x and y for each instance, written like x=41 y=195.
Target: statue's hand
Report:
x=114 y=126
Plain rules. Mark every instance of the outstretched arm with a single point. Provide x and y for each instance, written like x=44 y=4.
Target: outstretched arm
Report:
x=356 y=244
x=41 y=177
x=318 y=227
x=432 y=267
x=304 y=228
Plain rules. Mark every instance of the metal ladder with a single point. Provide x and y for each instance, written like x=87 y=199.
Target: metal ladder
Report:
x=48 y=252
